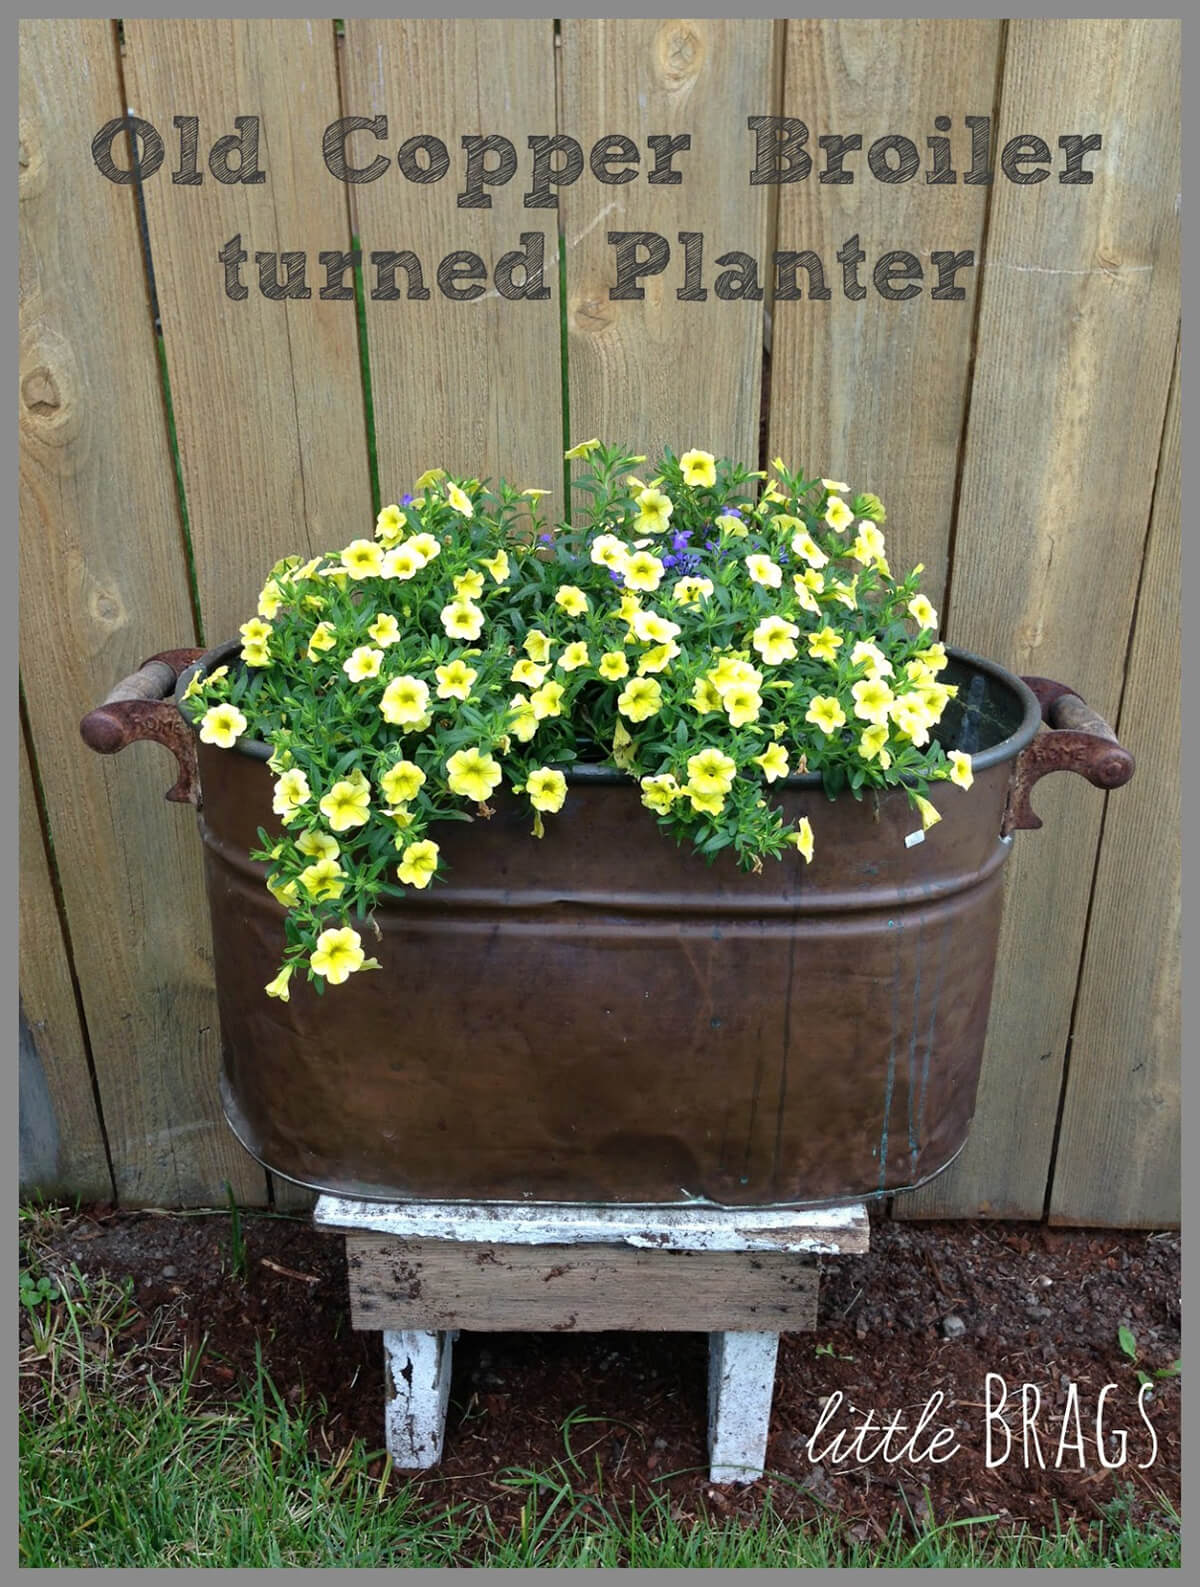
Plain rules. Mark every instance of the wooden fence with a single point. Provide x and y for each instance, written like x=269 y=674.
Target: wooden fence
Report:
x=1024 y=435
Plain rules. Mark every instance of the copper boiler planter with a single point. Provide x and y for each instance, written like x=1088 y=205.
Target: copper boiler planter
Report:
x=601 y=1016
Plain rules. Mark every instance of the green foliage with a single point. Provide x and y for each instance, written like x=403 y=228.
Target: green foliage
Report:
x=1127 y=1342
x=707 y=634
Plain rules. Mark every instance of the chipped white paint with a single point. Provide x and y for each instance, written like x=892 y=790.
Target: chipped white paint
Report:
x=417 y=1374
x=828 y=1231
x=741 y=1384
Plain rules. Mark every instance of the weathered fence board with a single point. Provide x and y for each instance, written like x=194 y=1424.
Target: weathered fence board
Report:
x=472 y=386
x=1118 y=1156
x=660 y=370
x=73 y=1158
x=267 y=394
x=874 y=391
x=1078 y=324
x=103 y=578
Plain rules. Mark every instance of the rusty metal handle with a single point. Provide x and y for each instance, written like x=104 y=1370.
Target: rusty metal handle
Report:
x=139 y=708
x=1080 y=741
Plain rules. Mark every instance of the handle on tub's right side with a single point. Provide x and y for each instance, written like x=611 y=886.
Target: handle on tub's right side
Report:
x=139 y=707
x=1080 y=740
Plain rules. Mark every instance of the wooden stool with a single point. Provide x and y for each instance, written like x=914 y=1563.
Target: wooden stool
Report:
x=422 y=1271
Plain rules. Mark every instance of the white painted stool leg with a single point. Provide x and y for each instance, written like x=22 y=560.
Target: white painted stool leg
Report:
x=741 y=1383
x=417 y=1386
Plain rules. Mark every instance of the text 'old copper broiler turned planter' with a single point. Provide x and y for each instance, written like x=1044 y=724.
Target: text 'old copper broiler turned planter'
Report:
x=602 y=1017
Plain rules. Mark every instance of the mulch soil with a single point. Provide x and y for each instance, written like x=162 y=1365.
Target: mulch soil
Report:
x=933 y=1309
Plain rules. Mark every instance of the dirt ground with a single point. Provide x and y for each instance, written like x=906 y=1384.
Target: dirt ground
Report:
x=933 y=1309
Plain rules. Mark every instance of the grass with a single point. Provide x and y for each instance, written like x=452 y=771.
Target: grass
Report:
x=124 y=1464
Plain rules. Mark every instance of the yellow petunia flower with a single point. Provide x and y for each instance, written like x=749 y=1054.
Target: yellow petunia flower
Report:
x=418 y=863
x=837 y=515
x=497 y=566
x=705 y=696
x=699 y=468
x=825 y=644
x=575 y=655
x=530 y=673
x=658 y=659
x=825 y=712
x=284 y=892
x=429 y=478
x=222 y=725
x=404 y=701
x=711 y=771
x=459 y=500
x=270 y=599
x=871 y=745
x=473 y=774
x=872 y=701
x=878 y=665
x=323 y=879
x=318 y=845
x=537 y=645
x=346 y=805
x=921 y=608
x=834 y=484
x=609 y=552
x=425 y=545
x=708 y=801
x=807 y=548
x=730 y=524
x=279 y=986
x=454 y=680
x=613 y=665
x=572 y=600
x=385 y=630
x=362 y=663
x=547 y=789
x=389 y=525
x=547 y=701
x=402 y=782
x=469 y=586
x=960 y=768
x=462 y=619
x=363 y=559
x=660 y=793
x=643 y=571
x=763 y=571
x=323 y=637
x=654 y=512
x=640 y=699
x=291 y=791
x=741 y=704
x=523 y=720
x=775 y=640
x=583 y=449
x=773 y=761
x=402 y=562
x=338 y=954
x=690 y=591
x=802 y=837
x=929 y=813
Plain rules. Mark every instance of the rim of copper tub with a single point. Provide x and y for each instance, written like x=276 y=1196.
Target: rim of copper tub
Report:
x=605 y=776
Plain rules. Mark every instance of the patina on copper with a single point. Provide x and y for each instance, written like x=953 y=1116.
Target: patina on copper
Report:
x=600 y=1016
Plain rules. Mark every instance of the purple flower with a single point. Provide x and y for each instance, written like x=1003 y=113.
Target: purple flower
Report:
x=546 y=539
x=406 y=501
x=617 y=578
x=679 y=540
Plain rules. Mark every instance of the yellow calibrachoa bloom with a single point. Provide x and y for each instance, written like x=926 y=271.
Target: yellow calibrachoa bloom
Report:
x=868 y=547
x=583 y=449
x=763 y=571
x=711 y=771
x=658 y=659
x=872 y=744
x=528 y=672
x=825 y=713
x=660 y=793
x=255 y=635
x=454 y=680
x=497 y=566
x=807 y=548
x=774 y=639
x=643 y=572
x=627 y=609
x=773 y=761
x=837 y=515
x=385 y=630
x=523 y=721
x=279 y=986
x=323 y=879
x=318 y=845
x=825 y=644
x=912 y=717
x=934 y=656
x=572 y=599
x=640 y=699
x=404 y=701
x=462 y=619
x=389 y=525
x=575 y=655
x=706 y=696
x=291 y=791
x=347 y=804
x=872 y=700
x=222 y=725
x=733 y=672
x=847 y=594
x=323 y=637
x=922 y=609
x=537 y=645
x=960 y=768
x=878 y=665
x=429 y=478
x=729 y=523
x=689 y=591
x=473 y=774
x=699 y=468
x=418 y=863
x=425 y=545
x=802 y=837
x=363 y=559
x=609 y=552
x=362 y=663
x=741 y=704
x=402 y=562
x=709 y=802
x=547 y=789
x=459 y=500
x=654 y=512
x=613 y=665
x=270 y=599
x=284 y=892
x=402 y=782
x=652 y=629
x=338 y=954
x=929 y=813
x=469 y=586
x=547 y=701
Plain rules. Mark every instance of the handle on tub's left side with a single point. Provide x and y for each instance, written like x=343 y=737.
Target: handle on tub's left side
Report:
x=140 y=707
x=1080 y=741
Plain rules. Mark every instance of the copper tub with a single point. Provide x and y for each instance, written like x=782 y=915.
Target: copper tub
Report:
x=602 y=1017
